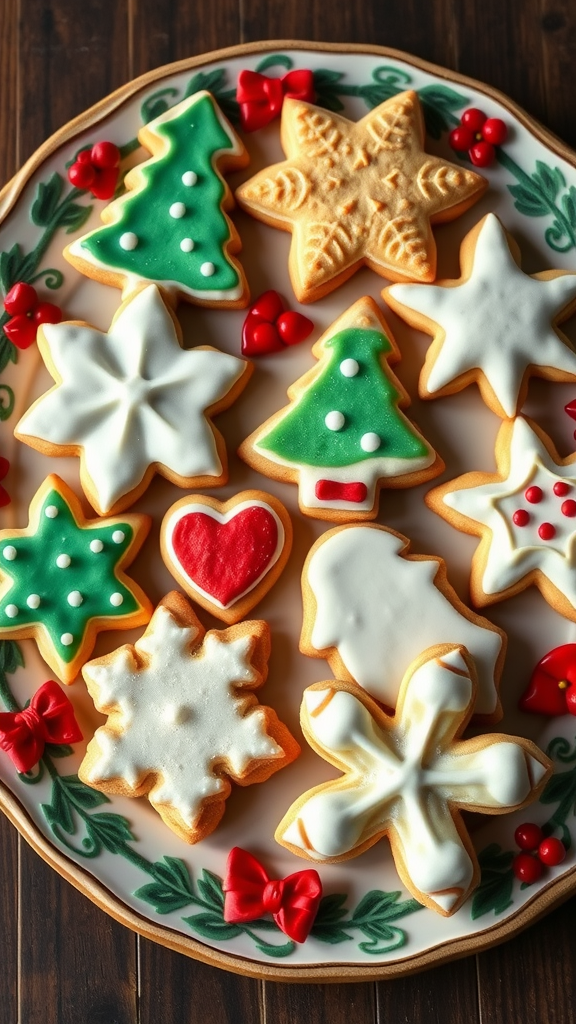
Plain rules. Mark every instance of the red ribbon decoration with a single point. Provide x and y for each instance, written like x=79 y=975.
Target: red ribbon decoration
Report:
x=249 y=893
x=261 y=98
x=49 y=718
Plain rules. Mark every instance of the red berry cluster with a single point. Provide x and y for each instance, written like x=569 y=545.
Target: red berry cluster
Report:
x=97 y=170
x=537 y=852
x=268 y=327
x=26 y=314
x=478 y=135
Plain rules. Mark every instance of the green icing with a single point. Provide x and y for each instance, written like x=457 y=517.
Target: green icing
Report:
x=193 y=136
x=34 y=571
x=368 y=401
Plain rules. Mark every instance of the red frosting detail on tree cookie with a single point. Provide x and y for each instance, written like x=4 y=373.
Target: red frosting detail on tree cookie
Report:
x=249 y=893
x=226 y=559
x=96 y=170
x=478 y=135
x=333 y=490
x=260 y=98
x=49 y=718
x=268 y=328
x=26 y=314
x=552 y=687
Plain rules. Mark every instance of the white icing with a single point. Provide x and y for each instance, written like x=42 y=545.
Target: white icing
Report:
x=334 y=420
x=370 y=442
x=173 y=517
x=63 y=561
x=515 y=551
x=407 y=777
x=75 y=598
x=380 y=610
x=177 y=210
x=33 y=601
x=11 y=610
x=499 y=320
x=128 y=241
x=51 y=511
x=186 y=750
x=118 y=536
x=10 y=553
x=349 y=367
x=187 y=244
x=66 y=639
x=189 y=178
x=207 y=269
x=96 y=546
x=132 y=398
x=116 y=599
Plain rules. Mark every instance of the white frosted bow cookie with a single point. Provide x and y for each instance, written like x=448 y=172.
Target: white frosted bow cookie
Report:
x=408 y=777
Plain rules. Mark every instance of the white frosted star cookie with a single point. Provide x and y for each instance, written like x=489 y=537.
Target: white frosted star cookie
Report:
x=525 y=516
x=409 y=776
x=132 y=402
x=494 y=325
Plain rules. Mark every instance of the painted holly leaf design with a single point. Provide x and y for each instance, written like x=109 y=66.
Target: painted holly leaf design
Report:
x=561 y=790
x=438 y=105
x=11 y=657
x=374 y=916
x=496 y=883
x=328 y=90
x=110 y=831
x=327 y=925
x=172 y=889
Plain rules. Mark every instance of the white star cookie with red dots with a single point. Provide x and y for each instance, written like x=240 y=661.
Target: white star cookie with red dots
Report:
x=525 y=515
x=494 y=325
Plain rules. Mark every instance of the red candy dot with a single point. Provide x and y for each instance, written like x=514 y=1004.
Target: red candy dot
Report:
x=546 y=531
x=473 y=119
x=482 y=154
x=533 y=495
x=528 y=836
x=84 y=157
x=495 y=131
x=561 y=488
x=521 y=517
x=105 y=154
x=552 y=852
x=568 y=508
x=461 y=138
x=81 y=174
x=527 y=868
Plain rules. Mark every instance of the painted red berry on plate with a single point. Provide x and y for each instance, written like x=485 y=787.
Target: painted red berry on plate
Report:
x=461 y=139
x=473 y=118
x=21 y=298
x=528 y=836
x=479 y=135
x=81 y=175
x=494 y=130
x=527 y=868
x=46 y=313
x=552 y=851
x=105 y=154
x=482 y=154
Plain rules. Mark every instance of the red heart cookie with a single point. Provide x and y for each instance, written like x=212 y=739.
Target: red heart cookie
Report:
x=226 y=555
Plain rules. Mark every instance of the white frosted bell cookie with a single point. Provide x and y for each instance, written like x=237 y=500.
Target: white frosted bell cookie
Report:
x=183 y=718
x=494 y=325
x=408 y=777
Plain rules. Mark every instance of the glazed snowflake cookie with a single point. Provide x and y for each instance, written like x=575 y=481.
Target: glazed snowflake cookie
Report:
x=183 y=718
x=525 y=516
x=171 y=227
x=133 y=402
x=226 y=555
x=358 y=193
x=370 y=607
x=408 y=777
x=344 y=435
x=494 y=325
x=62 y=578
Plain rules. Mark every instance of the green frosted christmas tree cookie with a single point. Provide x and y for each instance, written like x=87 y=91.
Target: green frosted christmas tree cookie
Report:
x=170 y=227
x=344 y=435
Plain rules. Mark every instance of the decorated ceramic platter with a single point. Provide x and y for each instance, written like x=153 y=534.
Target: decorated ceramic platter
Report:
x=440 y=748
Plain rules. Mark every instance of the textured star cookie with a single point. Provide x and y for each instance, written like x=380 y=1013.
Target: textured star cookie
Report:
x=62 y=578
x=358 y=193
x=133 y=402
x=409 y=777
x=494 y=325
x=525 y=515
x=183 y=718
x=370 y=608
x=170 y=227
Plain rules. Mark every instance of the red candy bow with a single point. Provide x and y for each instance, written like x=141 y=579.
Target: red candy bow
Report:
x=249 y=893
x=267 y=328
x=49 y=718
x=261 y=98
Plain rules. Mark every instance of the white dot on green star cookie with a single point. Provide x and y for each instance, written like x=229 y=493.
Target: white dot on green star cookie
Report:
x=370 y=442
x=334 y=420
x=128 y=241
x=187 y=244
x=63 y=561
x=207 y=269
x=116 y=599
x=118 y=536
x=75 y=598
x=189 y=178
x=9 y=552
x=177 y=210
x=66 y=639
x=51 y=511
x=33 y=601
x=11 y=610
x=349 y=367
x=96 y=546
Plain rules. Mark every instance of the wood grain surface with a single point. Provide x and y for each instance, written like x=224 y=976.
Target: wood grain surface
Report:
x=63 y=961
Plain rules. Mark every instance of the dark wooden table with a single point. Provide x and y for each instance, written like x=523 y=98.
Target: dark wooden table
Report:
x=62 y=961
